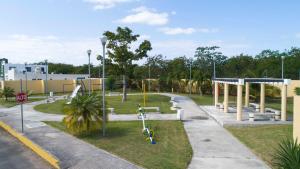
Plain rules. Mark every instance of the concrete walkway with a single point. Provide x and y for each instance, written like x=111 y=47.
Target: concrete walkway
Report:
x=71 y=152
x=213 y=146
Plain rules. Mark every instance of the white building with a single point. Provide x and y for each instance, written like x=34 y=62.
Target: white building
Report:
x=36 y=72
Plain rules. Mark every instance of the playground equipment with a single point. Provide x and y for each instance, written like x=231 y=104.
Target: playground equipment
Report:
x=74 y=93
x=148 y=132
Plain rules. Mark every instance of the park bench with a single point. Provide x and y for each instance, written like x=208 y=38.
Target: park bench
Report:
x=220 y=105
x=151 y=108
x=261 y=116
x=114 y=94
x=276 y=112
x=255 y=106
x=112 y=110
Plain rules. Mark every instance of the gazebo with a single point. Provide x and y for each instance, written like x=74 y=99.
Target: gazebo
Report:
x=239 y=82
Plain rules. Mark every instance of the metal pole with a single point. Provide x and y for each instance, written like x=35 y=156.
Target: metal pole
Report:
x=46 y=84
x=190 y=77
x=26 y=82
x=89 y=54
x=149 y=79
x=214 y=69
x=103 y=90
x=22 y=121
x=282 y=60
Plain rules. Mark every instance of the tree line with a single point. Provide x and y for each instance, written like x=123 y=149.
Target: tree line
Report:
x=120 y=66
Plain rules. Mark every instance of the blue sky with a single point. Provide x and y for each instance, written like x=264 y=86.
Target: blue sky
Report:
x=62 y=30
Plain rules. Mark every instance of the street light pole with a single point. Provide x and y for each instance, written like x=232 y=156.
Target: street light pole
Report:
x=282 y=67
x=89 y=55
x=103 y=41
x=26 y=82
x=191 y=61
x=46 y=84
x=149 y=78
x=214 y=68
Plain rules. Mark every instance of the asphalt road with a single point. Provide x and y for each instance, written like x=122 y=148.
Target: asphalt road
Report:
x=14 y=155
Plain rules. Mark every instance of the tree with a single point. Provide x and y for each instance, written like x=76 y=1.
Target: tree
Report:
x=83 y=112
x=205 y=56
x=8 y=92
x=120 y=51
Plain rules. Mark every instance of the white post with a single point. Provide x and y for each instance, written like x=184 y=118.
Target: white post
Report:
x=226 y=93
x=239 y=102
x=216 y=94
x=283 y=102
x=262 y=98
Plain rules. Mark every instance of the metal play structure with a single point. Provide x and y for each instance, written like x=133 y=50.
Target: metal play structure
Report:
x=146 y=130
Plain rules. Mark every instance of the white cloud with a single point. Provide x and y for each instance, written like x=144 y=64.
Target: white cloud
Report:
x=144 y=15
x=105 y=4
x=178 y=30
x=20 y=48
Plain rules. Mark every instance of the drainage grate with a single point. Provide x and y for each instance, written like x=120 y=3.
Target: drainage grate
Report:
x=206 y=140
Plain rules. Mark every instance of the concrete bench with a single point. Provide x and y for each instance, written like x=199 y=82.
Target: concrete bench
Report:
x=114 y=94
x=220 y=105
x=151 y=108
x=112 y=110
x=276 y=112
x=261 y=116
x=255 y=106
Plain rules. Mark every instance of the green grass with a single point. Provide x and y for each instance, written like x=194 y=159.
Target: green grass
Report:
x=276 y=104
x=11 y=102
x=51 y=108
x=128 y=107
x=126 y=140
x=262 y=140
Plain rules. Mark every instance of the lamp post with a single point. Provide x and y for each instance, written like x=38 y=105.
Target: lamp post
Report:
x=282 y=67
x=26 y=82
x=103 y=41
x=46 y=84
x=214 y=68
x=191 y=62
x=149 y=78
x=89 y=56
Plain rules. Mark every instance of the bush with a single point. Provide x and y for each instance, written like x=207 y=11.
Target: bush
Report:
x=8 y=92
x=287 y=156
x=297 y=91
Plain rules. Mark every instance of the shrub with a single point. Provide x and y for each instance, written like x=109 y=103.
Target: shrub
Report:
x=8 y=92
x=297 y=91
x=287 y=155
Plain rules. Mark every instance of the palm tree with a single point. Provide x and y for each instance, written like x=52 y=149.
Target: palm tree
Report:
x=8 y=92
x=83 y=112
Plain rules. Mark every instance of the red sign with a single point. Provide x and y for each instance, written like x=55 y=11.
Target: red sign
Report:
x=21 y=97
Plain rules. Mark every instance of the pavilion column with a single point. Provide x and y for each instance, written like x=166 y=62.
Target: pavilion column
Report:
x=239 y=108
x=283 y=102
x=216 y=94
x=226 y=93
x=247 y=94
x=262 y=98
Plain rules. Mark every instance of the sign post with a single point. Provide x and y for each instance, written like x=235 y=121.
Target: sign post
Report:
x=21 y=98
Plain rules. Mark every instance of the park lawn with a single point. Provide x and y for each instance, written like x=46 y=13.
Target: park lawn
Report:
x=208 y=99
x=128 y=107
x=277 y=105
x=131 y=105
x=11 y=102
x=125 y=139
x=56 y=107
x=262 y=140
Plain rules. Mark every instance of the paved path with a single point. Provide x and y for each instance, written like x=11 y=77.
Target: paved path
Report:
x=213 y=146
x=14 y=155
x=71 y=152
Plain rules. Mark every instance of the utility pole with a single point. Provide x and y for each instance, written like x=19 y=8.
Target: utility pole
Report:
x=149 y=78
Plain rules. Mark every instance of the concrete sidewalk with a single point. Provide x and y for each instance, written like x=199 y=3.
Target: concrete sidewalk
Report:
x=213 y=146
x=71 y=152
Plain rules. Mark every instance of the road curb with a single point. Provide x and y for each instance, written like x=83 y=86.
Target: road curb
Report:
x=34 y=147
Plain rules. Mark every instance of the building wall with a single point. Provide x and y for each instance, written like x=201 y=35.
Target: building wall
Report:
x=56 y=86
x=291 y=87
x=296 y=114
x=14 y=75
